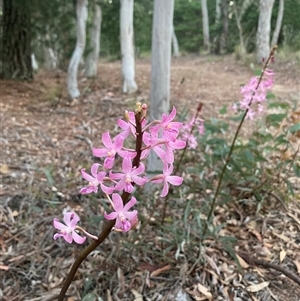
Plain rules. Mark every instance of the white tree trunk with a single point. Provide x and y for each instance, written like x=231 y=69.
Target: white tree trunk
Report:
x=34 y=63
x=238 y=18
x=175 y=44
x=218 y=11
x=278 y=23
x=127 y=47
x=160 y=66
x=263 y=30
x=205 y=25
x=81 y=13
x=51 y=58
x=95 y=31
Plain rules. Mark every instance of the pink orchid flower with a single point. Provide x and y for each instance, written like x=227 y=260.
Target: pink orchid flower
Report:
x=95 y=180
x=128 y=127
x=167 y=178
x=129 y=176
x=170 y=129
x=125 y=219
x=67 y=231
x=164 y=148
x=113 y=147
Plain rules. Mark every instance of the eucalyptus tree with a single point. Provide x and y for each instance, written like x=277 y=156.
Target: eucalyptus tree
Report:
x=264 y=30
x=127 y=46
x=160 y=66
x=16 y=40
x=278 y=23
x=81 y=14
x=205 y=25
x=94 y=45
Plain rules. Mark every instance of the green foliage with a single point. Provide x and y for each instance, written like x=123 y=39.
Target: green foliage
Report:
x=257 y=174
x=110 y=30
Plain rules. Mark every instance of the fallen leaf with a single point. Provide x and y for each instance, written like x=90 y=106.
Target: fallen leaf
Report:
x=4 y=169
x=282 y=255
x=256 y=234
x=159 y=271
x=137 y=295
x=204 y=291
x=242 y=262
x=108 y=294
x=257 y=287
x=281 y=236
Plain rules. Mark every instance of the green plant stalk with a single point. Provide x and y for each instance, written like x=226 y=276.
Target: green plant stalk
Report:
x=199 y=108
x=109 y=224
x=212 y=208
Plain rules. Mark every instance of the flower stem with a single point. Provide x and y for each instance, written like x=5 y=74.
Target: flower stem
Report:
x=212 y=208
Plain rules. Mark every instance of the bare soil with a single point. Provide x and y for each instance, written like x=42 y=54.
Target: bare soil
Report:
x=46 y=139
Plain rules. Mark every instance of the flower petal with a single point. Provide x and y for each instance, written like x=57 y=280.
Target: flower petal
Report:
x=100 y=152
x=58 y=225
x=139 y=180
x=86 y=176
x=100 y=176
x=174 y=180
x=77 y=238
x=57 y=235
x=131 y=216
x=127 y=165
x=68 y=237
x=121 y=184
x=117 y=202
x=110 y=216
x=165 y=189
x=67 y=218
x=118 y=142
x=94 y=169
x=88 y=189
x=109 y=162
x=107 y=140
x=106 y=189
x=130 y=204
x=74 y=220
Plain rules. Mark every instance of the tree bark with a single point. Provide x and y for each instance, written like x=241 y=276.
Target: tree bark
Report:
x=160 y=66
x=51 y=59
x=92 y=58
x=278 y=23
x=238 y=18
x=175 y=44
x=218 y=11
x=127 y=47
x=16 y=40
x=81 y=13
x=224 y=34
x=205 y=25
x=263 y=30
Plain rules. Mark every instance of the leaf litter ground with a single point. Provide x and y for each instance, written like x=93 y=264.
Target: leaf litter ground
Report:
x=46 y=140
